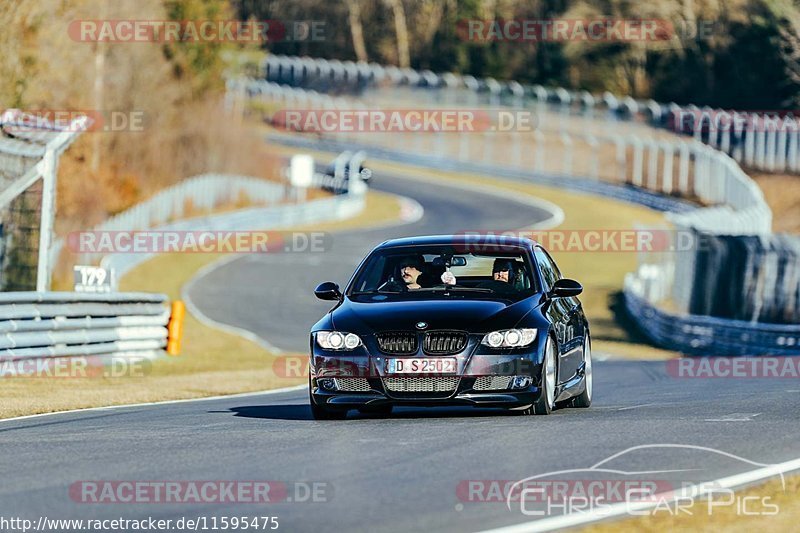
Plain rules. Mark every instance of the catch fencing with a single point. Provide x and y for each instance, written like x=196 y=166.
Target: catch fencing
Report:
x=67 y=324
x=768 y=140
x=29 y=150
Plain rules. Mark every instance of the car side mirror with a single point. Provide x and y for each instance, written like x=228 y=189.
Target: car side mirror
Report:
x=328 y=291
x=565 y=288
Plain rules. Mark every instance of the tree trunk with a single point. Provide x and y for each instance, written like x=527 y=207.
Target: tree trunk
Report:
x=357 y=30
x=403 y=54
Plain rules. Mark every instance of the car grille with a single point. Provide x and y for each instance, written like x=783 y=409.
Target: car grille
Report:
x=444 y=342
x=352 y=384
x=492 y=383
x=433 y=384
x=397 y=342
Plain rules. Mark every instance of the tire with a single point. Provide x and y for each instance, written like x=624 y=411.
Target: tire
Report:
x=585 y=398
x=546 y=403
x=318 y=412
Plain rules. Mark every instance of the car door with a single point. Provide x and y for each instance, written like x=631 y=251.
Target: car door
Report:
x=565 y=316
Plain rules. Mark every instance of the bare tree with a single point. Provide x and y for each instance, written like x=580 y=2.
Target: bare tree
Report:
x=356 y=29
x=401 y=30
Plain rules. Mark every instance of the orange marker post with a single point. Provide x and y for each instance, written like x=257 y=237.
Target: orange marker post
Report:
x=175 y=328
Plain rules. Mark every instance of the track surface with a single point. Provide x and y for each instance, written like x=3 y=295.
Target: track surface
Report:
x=394 y=474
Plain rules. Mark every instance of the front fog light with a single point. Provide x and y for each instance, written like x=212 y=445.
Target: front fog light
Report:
x=327 y=384
x=521 y=382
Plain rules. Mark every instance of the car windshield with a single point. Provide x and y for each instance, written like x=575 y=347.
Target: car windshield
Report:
x=412 y=273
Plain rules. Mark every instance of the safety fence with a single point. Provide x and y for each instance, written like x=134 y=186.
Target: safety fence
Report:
x=706 y=335
x=191 y=197
x=29 y=150
x=66 y=324
x=768 y=140
x=685 y=169
x=178 y=208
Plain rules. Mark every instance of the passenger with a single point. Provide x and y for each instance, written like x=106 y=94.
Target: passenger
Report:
x=504 y=276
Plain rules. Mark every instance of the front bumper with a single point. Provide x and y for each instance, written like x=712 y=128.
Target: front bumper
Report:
x=464 y=394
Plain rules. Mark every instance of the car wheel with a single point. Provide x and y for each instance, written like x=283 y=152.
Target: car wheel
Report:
x=547 y=399
x=585 y=398
x=318 y=412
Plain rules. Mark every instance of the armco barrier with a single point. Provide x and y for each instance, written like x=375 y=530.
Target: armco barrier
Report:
x=767 y=141
x=56 y=324
x=705 y=335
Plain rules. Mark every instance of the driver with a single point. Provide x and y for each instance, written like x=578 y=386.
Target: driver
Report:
x=411 y=269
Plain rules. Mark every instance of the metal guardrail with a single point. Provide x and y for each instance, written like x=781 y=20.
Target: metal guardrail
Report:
x=62 y=324
x=688 y=169
x=766 y=141
x=254 y=219
x=199 y=193
x=705 y=335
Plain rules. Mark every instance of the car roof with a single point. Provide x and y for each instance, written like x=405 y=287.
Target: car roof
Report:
x=460 y=239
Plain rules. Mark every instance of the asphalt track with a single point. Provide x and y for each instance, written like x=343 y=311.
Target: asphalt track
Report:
x=402 y=473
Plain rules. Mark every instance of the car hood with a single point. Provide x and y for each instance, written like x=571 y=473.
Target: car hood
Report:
x=471 y=315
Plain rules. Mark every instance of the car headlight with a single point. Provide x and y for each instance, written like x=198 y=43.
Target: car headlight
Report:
x=509 y=338
x=338 y=340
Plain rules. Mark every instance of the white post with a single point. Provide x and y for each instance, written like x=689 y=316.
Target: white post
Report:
x=46 y=221
x=669 y=160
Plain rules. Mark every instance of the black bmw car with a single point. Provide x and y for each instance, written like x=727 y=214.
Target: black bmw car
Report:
x=451 y=320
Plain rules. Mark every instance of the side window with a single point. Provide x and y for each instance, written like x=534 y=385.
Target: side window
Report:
x=549 y=276
x=553 y=267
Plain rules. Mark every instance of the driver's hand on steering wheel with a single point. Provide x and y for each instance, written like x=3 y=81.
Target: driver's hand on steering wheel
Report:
x=448 y=278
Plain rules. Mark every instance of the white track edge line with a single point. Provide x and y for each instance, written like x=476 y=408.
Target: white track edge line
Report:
x=163 y=402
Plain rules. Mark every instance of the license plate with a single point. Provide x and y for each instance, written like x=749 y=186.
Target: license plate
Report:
x=421 y=366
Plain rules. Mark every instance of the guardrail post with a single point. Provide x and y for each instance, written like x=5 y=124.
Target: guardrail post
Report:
x=669 y=160
x=46 y=220
x=638 y=160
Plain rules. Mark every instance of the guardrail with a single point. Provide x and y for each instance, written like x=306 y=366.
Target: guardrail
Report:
x=191 y=196
x=208 y=191
x=705 y=335
x=767 y=141
x=688 y=169
x=63 y=324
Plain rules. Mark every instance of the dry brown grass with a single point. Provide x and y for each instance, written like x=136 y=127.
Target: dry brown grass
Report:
x=782 y=193
x=721 y=518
